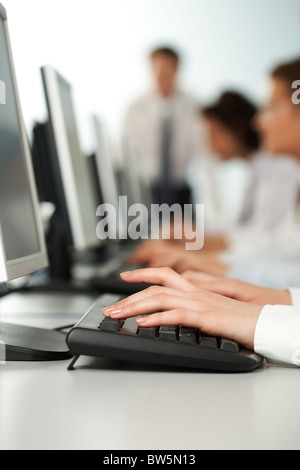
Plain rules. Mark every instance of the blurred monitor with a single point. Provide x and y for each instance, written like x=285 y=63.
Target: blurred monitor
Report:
x=22 y=245
x=106 y=171
x=136 y=174
x=76 y=195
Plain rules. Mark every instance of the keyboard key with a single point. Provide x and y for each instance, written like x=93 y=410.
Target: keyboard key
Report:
x=229 y=345
x=168 y=332
x=208 y=341
x=150 y=332
x=111 y=324
x=187 y=335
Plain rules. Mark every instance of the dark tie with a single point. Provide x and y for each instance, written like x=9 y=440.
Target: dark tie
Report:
x=166 y=168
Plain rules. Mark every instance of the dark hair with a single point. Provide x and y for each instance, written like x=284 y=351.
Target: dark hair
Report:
x=289 y=71
x=235 y=112
x=166 y=51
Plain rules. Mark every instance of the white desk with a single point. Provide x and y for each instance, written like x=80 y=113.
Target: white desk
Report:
x=106 y=405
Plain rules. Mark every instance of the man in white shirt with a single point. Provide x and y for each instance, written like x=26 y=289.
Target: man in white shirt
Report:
x=265 y=320
x=163 y=128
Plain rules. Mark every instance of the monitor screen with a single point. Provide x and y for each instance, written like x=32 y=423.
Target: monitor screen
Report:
x=79 y=193
x=22 y=245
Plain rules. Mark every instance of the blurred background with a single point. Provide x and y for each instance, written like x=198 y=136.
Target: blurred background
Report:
x=102 y=48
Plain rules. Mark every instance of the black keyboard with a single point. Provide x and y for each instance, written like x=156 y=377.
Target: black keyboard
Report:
x=99 y=336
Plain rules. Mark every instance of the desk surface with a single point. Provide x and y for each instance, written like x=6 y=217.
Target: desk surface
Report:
x=114 y=405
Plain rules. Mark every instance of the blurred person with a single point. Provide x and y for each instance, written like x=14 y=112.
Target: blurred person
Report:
x=163 y=129
x=279 y=253
x=270 y=190
x=233 y=140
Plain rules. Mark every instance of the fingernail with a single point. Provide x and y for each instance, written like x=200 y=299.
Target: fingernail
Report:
x=143 y=321
x=106 y=310
x=126 y=273
x=115 y=312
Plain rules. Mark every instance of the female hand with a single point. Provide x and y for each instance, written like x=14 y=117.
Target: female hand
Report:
x=177 y=301
x=156 y=254
x=238 y=290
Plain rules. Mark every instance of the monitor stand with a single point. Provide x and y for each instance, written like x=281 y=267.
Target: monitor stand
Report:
x=26 y=343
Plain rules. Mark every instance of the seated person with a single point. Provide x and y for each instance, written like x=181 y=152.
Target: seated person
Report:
x=276 y=197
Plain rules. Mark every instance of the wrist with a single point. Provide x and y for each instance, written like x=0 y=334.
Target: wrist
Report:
x=286 y=297
x=246 y=325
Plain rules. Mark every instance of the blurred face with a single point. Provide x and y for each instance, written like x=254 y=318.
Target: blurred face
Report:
x=164 y=70
x=279 y=123
x=221 y=140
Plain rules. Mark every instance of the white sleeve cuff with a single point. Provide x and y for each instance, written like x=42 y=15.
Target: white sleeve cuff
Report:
x=277 y=334
x=295 y=295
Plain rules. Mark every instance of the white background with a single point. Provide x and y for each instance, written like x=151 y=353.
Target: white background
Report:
x=101 y=46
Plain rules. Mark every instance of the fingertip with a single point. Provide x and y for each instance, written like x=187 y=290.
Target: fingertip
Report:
x=145 y=321
x=126 y=274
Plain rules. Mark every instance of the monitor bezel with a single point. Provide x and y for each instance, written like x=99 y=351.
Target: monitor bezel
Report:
x=12 y=269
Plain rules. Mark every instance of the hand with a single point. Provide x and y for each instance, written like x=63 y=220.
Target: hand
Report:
x=178 y=301
x=148 y=250
x=158 y=253
x=239 y=290
x=181 y=261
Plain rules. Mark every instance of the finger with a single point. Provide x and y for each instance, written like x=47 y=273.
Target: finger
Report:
x=223 y=287
x=171 y=261
x=141 y=296
x=185 y=317
x=136 y=258
x=183 y=265
x=176 y=316
x=163 y=276
x=198 y=276
x=155 y=303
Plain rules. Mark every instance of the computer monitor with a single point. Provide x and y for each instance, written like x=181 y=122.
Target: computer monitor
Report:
x=22 y=245
x=48 y=177
x=106 y=171
x=70 y=165
x=21 y=241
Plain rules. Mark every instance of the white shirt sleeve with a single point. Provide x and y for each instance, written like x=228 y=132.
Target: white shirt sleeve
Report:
x=277 y=334
x=295 y=295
